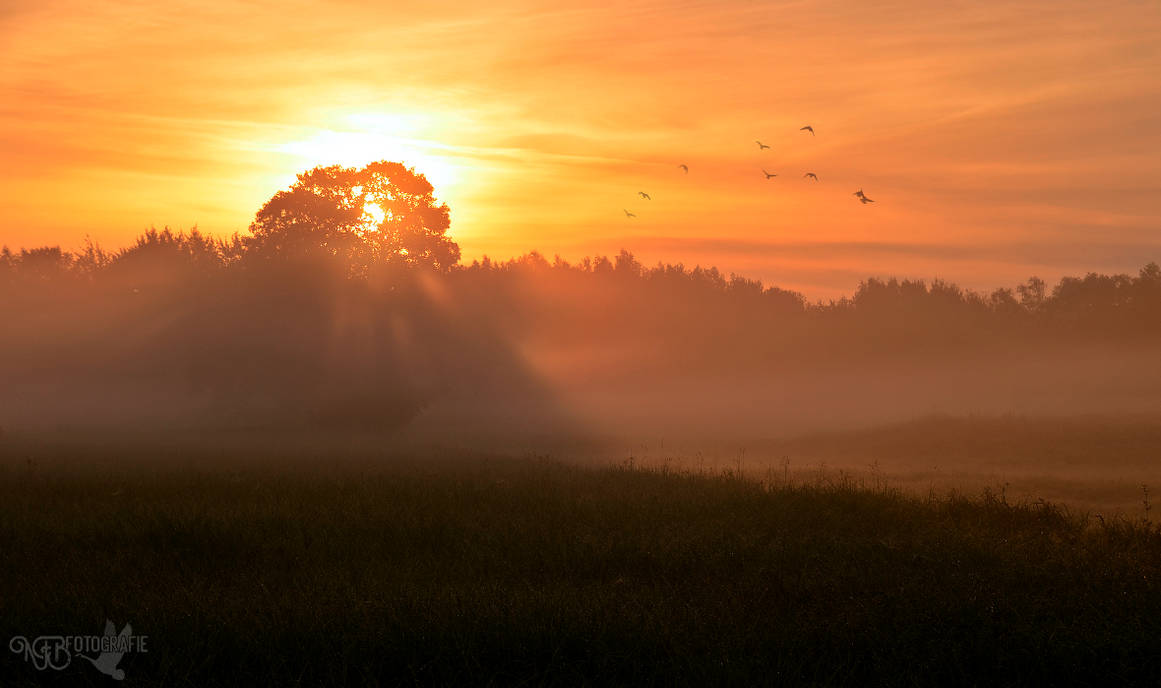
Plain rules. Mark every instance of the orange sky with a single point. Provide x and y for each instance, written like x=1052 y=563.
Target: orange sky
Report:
x=998 y=139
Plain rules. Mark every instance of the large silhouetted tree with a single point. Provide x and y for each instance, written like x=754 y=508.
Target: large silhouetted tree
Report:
x=384 y=214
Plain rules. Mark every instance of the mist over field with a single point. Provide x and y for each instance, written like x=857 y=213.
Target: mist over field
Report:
x=189 y=338
x=694 y=355
x=175 y=333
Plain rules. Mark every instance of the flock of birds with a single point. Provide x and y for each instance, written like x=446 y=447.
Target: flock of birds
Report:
x=769 y=175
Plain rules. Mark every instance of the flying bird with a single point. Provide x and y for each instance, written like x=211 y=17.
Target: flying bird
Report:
x=684 y=167
x=644 y=195
x=808 y=128
x=811 y=175
x=628 y=214
x=107 y=662
x=768 y=175
x=761 y=145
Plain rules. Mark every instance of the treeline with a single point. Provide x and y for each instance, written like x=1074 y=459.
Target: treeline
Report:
x=1094 y=299
x=164 y=259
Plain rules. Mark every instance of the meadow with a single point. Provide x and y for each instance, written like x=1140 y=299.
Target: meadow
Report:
x=249 y=566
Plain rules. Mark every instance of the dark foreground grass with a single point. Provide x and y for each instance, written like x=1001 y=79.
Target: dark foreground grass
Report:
x=531 y=572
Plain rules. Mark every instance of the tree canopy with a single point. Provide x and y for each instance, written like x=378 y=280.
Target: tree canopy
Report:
x=382 y=215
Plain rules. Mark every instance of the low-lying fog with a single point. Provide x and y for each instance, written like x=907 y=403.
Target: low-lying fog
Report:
x=605 y=360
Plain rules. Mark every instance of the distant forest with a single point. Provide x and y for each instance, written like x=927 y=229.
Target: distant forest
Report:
x=164 y=262
x=346 y=305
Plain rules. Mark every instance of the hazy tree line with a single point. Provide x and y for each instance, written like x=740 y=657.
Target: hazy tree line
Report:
x=164 y=260
x=1134 y=302
x=346 y=304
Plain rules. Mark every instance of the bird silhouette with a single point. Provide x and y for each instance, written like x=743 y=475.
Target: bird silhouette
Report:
x=107 y=662
x=644 y=195
x=628 y=214
x=808 y=128
x=811 y=175
x=768 y=175
x=761 y=145
x=684 y=167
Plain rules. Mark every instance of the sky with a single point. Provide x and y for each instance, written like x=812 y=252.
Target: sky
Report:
x=998 y=140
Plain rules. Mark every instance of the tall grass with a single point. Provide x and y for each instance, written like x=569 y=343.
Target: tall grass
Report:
x=486 y=570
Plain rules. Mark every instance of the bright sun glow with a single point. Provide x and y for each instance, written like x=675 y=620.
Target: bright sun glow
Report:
x=373 y=213
x=370 y=137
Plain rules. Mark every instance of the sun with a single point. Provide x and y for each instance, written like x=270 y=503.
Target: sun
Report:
x=373 y=213
x=364 y=138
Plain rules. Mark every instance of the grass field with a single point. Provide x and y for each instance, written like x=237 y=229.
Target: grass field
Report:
x=485 y=570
